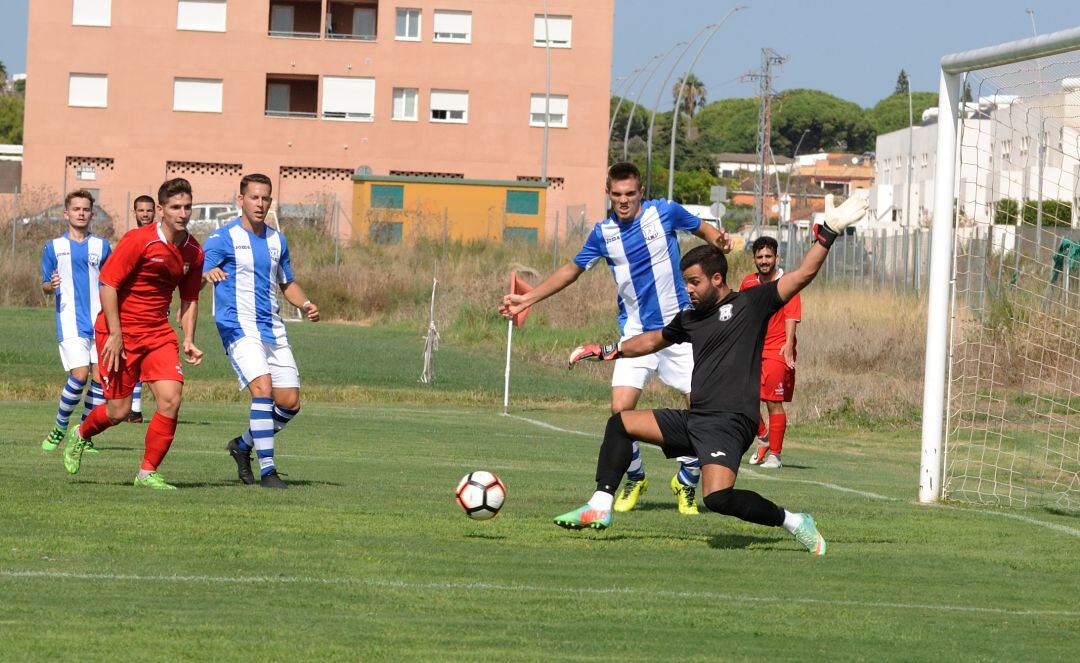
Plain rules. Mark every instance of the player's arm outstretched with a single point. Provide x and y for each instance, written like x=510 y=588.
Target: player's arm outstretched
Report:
x=635 y=346
x=837 y=219
x=513 y=304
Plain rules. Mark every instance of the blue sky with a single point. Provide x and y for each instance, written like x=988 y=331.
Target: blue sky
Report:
x=851 y=48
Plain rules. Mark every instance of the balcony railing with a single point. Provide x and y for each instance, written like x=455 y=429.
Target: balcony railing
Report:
x=277 y=113
x=350 y=36
x=293 y=35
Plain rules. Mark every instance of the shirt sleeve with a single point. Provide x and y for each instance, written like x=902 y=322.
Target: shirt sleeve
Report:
x=285 y=274
x=214 y=251
x=122 y=262
x=680 y=218
x=48 y=262
x=189 y=284
x=793 y=309
x=592 y=251
x=674 y=332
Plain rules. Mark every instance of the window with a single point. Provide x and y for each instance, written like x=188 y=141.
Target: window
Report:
x=520 y=235
x=387 y=196
x=348 y=98
x=453 y=26
x=202 y=15
x=197 y=95
x=405 y=103
x=557 y=107
x=363 y=22
x=88 y=90
x=558 y=31
x=385 y=232
x=1023 y=145
x=522 y=202
x=91 y=12
x=408 y=25
x=449 y=106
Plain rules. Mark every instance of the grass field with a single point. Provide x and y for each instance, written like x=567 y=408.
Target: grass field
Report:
x=367 y=557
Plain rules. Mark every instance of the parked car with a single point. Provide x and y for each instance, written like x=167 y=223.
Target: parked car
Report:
x=208 y=217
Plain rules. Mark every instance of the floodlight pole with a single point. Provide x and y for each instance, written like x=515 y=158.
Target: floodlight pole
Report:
x=630 y=119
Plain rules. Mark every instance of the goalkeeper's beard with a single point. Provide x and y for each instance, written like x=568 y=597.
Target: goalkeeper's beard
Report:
x=706 y=300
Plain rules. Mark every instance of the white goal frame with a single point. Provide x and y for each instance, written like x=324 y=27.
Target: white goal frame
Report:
x=953 y=67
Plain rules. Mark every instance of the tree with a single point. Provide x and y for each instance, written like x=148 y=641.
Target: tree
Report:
x=20 y=86
x=891 y=113
x=902 y=85
x=11 y=119
x=830 y=123
x=693 y=97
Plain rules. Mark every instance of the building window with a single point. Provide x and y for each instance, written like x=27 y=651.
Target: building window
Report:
x=558 y=31
x=385 y=232
x=291 y=95
x=345 y=98
x=97 y=13
x=387 y=196
x=88 y=90
x=520 y=235
x=347 y=19
x=449 y=106
x=405 y=103
x=197 y=95
x=300 y=21
x=1023 y=146
x=407 y=25
x=557 y=108
x=522 y=202
x=453 y=26
x=201 y=15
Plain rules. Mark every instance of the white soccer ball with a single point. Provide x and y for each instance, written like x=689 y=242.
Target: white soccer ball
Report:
x=481 y=494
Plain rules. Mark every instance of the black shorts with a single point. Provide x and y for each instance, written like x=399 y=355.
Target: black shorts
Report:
x=719 y=439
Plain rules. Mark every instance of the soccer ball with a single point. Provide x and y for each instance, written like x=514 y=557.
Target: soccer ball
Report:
x=481 y=494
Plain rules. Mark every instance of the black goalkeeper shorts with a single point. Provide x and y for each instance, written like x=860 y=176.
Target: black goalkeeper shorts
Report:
x=719 y=439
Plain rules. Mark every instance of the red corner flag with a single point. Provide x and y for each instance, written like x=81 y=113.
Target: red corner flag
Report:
x=519 y=287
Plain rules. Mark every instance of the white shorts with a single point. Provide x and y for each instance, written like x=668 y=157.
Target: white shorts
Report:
x=77 y=352
x=674 y=365
x=252 y=357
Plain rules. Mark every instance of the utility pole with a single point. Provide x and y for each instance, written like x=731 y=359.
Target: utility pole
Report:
x=764 y=76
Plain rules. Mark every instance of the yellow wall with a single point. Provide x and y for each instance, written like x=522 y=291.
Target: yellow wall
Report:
x=474 y=209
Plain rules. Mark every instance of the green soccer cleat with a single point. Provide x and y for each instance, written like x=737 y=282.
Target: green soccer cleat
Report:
x=73 y=451
x=807 y=534
x=583 y=517
x=55 y=438
x=89 y=448
x=153 y=480
x=686 y=495
x=628 y=496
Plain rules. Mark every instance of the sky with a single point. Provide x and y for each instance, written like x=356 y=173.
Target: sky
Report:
x=851 y=48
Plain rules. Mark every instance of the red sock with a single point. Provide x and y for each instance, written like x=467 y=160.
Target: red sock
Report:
x=159 y=437
x=777 y=425
x=761 y=430
x=96 y=422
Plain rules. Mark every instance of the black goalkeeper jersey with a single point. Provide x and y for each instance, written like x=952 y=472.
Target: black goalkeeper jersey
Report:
x=727 y=341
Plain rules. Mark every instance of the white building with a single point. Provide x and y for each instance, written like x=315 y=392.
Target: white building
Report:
x=728 y=164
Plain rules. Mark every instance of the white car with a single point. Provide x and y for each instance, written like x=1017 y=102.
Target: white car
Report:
x=208 y=217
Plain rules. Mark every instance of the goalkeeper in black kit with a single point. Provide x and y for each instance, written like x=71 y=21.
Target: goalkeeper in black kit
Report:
x=726 y=330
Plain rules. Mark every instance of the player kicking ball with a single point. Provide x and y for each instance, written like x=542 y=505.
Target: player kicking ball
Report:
x=246 y=261
x=134 y=339
x=726 y=330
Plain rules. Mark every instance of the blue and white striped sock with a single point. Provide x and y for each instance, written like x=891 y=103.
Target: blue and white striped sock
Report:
x=94 y=397
x=260 y=433
x=69 y=400
x=689 y=470
x=636 y=472
x=282 y=416
x=136 y=398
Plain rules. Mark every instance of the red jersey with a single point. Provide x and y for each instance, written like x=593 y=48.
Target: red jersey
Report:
x=776 y=333
x=145 y=269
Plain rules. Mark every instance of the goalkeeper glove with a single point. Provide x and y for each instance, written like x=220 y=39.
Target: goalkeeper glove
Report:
x=594 y=353
x=838 y=218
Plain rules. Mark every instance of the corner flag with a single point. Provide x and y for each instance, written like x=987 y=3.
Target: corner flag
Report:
x=519 y=287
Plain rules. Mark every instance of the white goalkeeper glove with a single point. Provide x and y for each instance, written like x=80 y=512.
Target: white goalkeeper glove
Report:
x=850 y=212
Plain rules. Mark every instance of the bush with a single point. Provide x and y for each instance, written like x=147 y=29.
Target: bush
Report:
x=1056 y=213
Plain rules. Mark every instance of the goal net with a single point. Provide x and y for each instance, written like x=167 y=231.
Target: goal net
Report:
x=1012 y=419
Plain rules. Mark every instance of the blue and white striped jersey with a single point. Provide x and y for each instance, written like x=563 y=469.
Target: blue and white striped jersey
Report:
x=246 y=303
x=77 y=298
x=644 y=259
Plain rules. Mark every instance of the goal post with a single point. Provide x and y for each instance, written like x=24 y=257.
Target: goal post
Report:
x=1001 y=399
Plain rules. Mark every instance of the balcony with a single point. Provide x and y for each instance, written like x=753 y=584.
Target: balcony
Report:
x=354 y=20
x=296 y=19
x=289 y=95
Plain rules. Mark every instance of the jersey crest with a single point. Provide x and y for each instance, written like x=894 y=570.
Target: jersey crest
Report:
x=725 y=312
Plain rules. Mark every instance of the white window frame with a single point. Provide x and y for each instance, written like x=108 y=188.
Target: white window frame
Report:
x=451 y=37
x=91 y=13
x=419 y=23
x=181 y=105
x=204 y=27
x=556 y=100
x=361 y=115
x=403 y=117
x=449 y=119
x=84 y=83
x=538 y=31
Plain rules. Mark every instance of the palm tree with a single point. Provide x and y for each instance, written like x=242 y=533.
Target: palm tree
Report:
x=693 y=97
x=3 y=72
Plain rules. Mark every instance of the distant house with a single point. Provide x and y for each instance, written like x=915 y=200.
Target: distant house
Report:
x=837 y=172
x=728 y=164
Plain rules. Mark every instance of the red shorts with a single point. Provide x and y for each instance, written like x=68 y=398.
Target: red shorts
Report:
x=146 y=359
x=777 y=381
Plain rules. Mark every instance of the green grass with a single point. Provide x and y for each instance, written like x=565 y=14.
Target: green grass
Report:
x=367 y=557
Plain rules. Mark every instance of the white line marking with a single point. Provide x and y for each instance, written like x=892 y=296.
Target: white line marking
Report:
x=587 y=591
x=541 y=424
x=823 y=484
x=1014 y=516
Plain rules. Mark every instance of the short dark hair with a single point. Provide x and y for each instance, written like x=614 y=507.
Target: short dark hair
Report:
x=624 y=170
x=173 y=187
x=764 y=242
x=79 y=193
x=710 y=258
x=142 y=199
x=255 y=178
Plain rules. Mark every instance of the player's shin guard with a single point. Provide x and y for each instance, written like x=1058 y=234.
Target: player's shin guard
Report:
x=689 y=470
x=94 y=397
x=69 y=400
x=777 y=426
x=615 y=455
x=745 y=505
x=636 y=471
x=261 y=432
x=94 y=423
x=159 y=437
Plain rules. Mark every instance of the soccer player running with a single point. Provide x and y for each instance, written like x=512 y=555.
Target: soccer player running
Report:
x=144 y=216
x=726 y=330
x=70 y=265
x=246 y=260
x=638 y=241
x=777 y=357
x=134 y=339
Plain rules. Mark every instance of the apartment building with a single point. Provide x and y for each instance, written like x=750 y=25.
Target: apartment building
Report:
x=127 y=93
